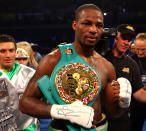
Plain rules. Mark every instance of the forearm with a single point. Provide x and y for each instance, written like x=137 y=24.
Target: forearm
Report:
x=140 y=95
x=114 y=110
x=34 y=107
x=116 y=102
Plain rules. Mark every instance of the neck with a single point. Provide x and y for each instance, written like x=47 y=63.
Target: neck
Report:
x=83 y=51
x=5 y=68
x=117 y=53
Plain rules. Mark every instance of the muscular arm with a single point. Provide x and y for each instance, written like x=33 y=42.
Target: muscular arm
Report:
x=31 y=103
x=112 y=91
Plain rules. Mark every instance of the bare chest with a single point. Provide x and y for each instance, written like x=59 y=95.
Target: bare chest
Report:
x=101 y=70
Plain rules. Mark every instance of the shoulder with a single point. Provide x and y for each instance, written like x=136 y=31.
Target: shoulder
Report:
x=3 y=75
x=106 y=67
x=134 y=56
x=108 y=54
x=23 y=67
x=133 y=65
x=48 y=62
x=130 y=60
x=109 y=66
x=106 y=63
x=26 y=71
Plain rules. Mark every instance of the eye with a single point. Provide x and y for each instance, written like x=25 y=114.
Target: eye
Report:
x=138 y=49
x=12 y=50
x=144 y=49
x=2 y=51
x=99 y=25
x=87 y=23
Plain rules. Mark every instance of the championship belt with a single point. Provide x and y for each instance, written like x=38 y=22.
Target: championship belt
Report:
x=72 y=79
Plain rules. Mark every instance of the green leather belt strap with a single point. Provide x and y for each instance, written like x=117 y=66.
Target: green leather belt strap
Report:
x=44 y=85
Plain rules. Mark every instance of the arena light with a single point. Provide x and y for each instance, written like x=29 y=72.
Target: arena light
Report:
x=105 y=13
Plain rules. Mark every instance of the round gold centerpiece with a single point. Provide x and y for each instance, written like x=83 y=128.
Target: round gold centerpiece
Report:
x=76 y=82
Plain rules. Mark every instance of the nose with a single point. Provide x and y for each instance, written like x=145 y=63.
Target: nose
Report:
x=93 y=29
x=21 y=61
x=141 y=52
x=7 y=54
x=127 y=42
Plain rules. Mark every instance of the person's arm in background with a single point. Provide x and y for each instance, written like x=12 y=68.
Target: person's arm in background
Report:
x=138 y=91
x=140 y=95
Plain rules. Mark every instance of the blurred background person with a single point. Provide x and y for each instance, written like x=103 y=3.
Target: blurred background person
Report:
x=27 y=47
x=132 y=49
x=36 y=54
x=18 y=76
x=138 y=115
x=140 y=56
x=22 y=56
x=125 y=67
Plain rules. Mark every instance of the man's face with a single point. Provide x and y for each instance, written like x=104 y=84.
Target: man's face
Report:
x=140 y=48
x=7 y=55
x=122 y=43
x=132 y=49
x=89 y=27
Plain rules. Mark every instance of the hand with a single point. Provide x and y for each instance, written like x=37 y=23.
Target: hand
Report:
x=116 y=90
x=125 y=92
x=75 y=113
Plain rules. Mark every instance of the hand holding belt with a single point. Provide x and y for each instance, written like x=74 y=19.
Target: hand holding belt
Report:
x=76 y=113
x=77 y=109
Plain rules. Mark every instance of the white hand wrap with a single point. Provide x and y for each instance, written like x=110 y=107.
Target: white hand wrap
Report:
x=75 y=113
x=125 y=92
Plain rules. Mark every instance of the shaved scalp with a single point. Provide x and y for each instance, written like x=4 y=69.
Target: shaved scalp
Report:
x=141 y=36
x=85 y=6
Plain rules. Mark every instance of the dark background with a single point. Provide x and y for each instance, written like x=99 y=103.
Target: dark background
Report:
x=48 y=22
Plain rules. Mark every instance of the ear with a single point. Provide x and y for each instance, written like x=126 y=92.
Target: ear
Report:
x=115 y=39
x=74 y=25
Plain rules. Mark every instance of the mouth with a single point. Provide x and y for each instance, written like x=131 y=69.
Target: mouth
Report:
x=125 y=47
x=8 y=60
x=92 y=39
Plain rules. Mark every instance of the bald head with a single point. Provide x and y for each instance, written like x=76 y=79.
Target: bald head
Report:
x=140 y=45
x=85 y=6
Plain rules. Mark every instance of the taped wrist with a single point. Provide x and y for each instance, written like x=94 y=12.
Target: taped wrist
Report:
x=125 y=92
x=76 y=113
